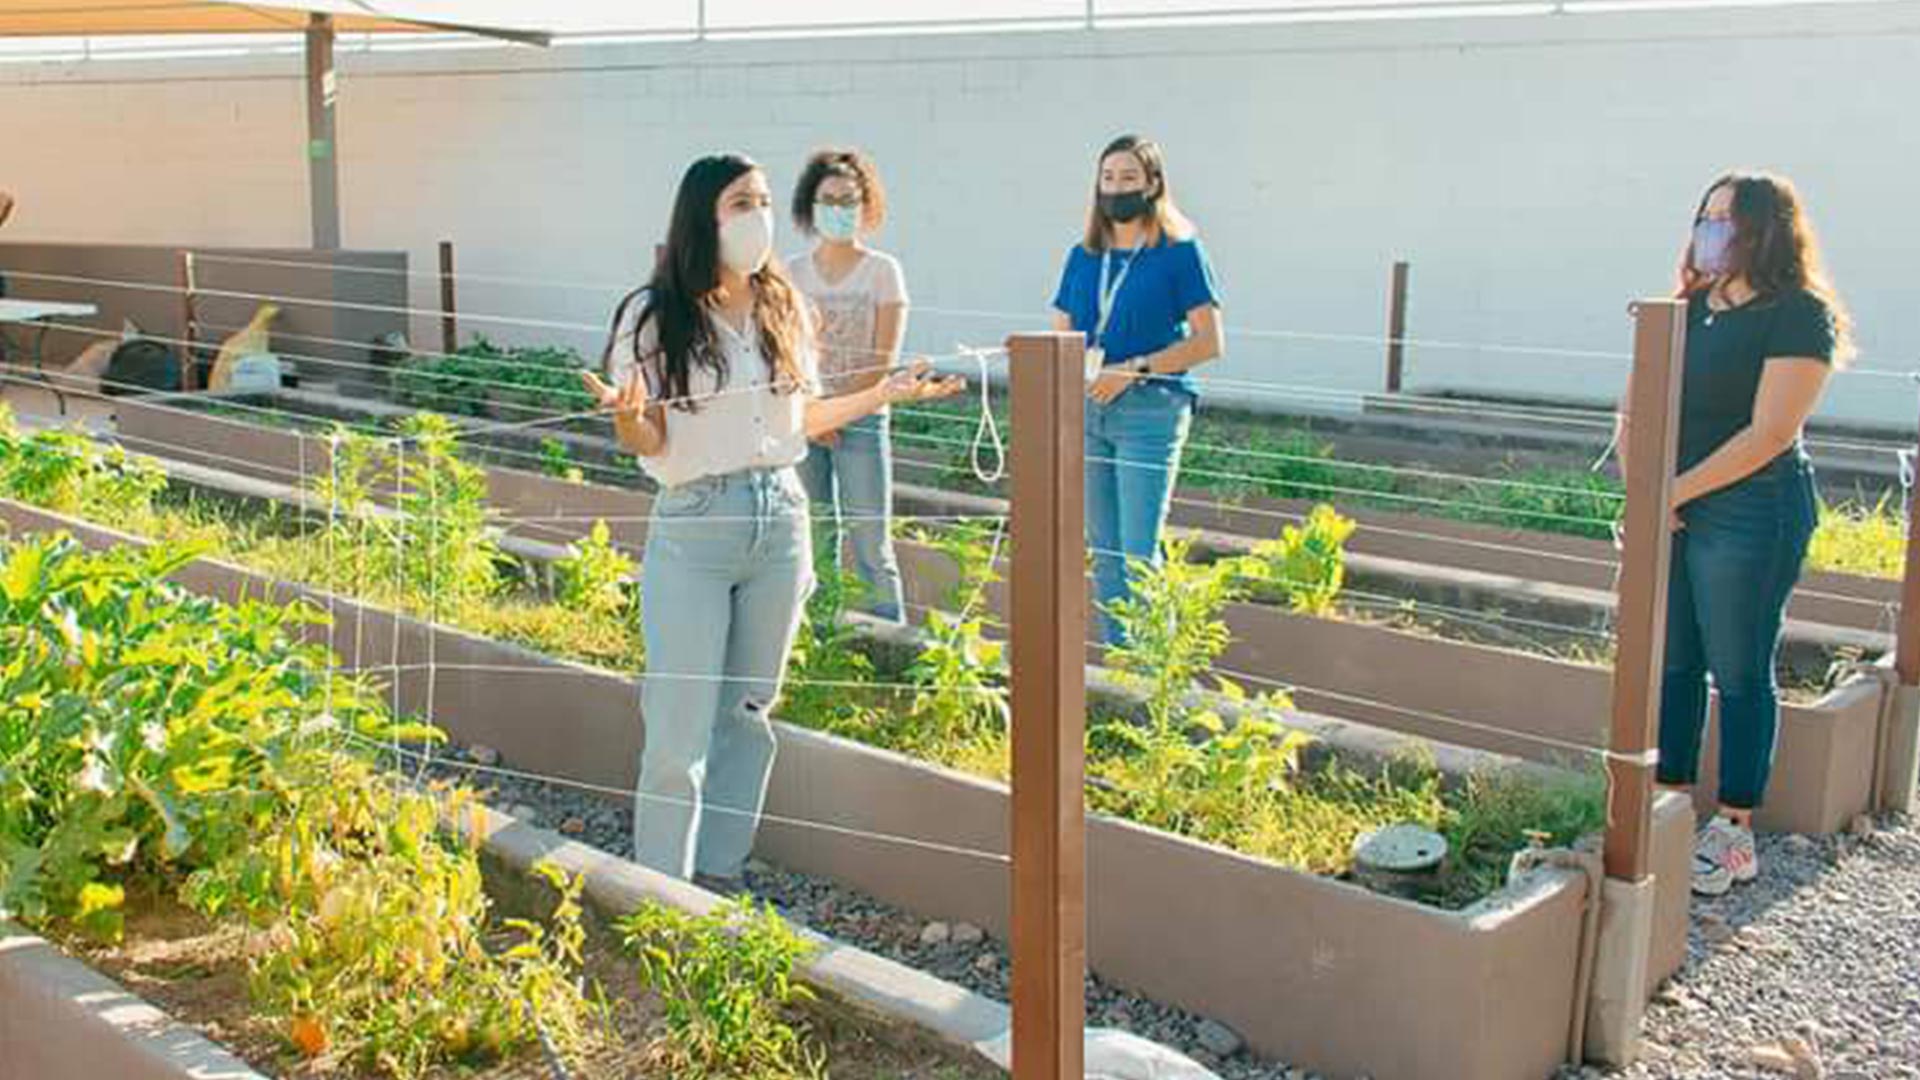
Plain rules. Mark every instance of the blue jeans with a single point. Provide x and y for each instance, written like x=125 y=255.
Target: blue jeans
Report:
x=853 y=480
x=1133 y=459
x=1734 y=567
x=728 y=565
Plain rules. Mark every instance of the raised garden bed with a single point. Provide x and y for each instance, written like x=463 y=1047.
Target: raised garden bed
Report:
x=1496 y=699
x=194 y=970
x=1345 y=450
x=1498 y=1005
x=1372 y=673
x=194 y=805
x=1559 y=596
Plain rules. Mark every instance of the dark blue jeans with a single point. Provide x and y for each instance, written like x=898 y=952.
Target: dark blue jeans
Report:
x=1734 y=566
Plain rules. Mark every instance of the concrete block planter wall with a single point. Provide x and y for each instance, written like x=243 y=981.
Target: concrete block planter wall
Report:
x=61 y=1020
x=1332 y=976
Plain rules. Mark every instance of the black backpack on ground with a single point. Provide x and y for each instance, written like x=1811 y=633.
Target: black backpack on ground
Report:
x=141 y=367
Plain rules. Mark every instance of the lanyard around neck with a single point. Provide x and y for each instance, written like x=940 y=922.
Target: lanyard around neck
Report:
x=1109 y=293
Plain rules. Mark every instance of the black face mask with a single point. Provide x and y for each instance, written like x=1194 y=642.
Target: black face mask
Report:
x=1125 y=206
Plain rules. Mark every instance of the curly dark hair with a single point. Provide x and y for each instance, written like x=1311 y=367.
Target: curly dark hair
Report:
x=853 y=164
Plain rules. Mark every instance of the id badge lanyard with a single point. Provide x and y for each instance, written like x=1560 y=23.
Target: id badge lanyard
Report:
x=1109 y=292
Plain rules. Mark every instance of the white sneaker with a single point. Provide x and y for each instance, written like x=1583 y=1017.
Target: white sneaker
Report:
x=1723 y=855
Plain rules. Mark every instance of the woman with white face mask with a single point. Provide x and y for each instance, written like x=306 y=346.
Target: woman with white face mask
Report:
x=712 y=381
x=1141 y=290
x=1764 y=330
x=860 y=298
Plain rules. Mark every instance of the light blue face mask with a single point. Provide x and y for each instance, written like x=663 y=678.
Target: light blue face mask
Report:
x=1713 y=246
x=836 y=222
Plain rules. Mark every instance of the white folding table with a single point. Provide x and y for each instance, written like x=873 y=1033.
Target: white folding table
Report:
x=41 y=316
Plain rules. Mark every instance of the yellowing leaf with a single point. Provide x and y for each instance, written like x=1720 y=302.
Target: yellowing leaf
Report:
x=97 y=897
x=22 y=572
x=203 y=776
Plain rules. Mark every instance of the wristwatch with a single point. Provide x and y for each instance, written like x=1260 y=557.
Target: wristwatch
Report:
x=1140 y=366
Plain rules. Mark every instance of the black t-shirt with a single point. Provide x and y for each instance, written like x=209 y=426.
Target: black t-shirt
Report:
x=1726 y=351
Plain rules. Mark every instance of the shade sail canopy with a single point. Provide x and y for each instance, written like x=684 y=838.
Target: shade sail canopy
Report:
x=109 y=18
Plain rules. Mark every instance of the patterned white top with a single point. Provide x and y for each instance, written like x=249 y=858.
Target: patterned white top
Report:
x=746 y=424
x=848 y=311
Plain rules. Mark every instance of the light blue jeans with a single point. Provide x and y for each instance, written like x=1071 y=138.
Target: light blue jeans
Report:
x=1133 y=460
x=851 y=485
x=728 y=565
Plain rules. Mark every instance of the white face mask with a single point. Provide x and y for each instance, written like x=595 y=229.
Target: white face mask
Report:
x=746 y=241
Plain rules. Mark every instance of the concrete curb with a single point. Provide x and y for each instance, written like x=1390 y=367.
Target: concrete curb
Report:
x=62 y=1020
x=861 y=978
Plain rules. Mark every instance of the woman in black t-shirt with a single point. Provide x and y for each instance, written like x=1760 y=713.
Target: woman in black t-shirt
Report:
x=1764 y=330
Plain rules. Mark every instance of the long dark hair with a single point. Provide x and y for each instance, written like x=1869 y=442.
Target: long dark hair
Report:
x=685 y=276
x=1774 y=247
x=1168 y=221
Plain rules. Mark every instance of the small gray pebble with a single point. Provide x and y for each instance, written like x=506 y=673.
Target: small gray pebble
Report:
x=1218 y=1039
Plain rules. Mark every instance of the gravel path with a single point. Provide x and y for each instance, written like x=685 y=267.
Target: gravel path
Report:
x=1811 y=972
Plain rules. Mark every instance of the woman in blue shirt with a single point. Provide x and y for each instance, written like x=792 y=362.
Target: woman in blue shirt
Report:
x=1140 y=288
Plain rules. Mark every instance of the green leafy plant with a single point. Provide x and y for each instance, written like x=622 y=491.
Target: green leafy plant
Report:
x=1240 y=458
x=1172 y=627
x=596 y=578
x=1859 y=539
x=556 y=461
x=1572 y=501
x=143 y=729
x=1307 y=562
x=1498 y=809
x=961 y=694
x=446 y=543
x=826 y=668
x=405 y=514
x=1188 y=769
x=726 y=982
x=69 y=472
x=486 y=378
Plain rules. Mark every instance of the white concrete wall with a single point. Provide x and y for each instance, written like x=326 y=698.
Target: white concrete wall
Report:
x=1538 y=172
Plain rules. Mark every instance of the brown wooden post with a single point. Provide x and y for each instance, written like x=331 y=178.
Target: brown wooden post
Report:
x=1396 y=327
x=1048 y=640
x=1897 y=773
x=189 y=320
x=1906 y=653
x=323 y=161
x=1653 y=404
x=449 y=321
